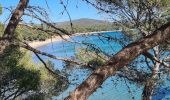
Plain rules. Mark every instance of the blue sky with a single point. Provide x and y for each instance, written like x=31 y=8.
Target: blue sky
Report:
x=77 y=9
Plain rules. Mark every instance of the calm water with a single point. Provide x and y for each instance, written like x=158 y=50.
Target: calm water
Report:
x=113 y=88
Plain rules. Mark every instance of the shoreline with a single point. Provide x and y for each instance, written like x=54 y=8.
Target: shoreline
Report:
x=37 y=44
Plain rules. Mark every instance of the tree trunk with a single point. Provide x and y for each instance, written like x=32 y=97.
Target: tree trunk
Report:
x=9 y=32
x=148 y=89
x=151 y=82
x=127 y=54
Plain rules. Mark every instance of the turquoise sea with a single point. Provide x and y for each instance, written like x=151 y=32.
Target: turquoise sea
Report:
x=113 y=88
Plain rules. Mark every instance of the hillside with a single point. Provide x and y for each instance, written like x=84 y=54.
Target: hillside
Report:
x=79 y=25
x=84 y=22
x=87 y=25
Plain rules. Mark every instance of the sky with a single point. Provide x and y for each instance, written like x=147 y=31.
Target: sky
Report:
x=76 y=8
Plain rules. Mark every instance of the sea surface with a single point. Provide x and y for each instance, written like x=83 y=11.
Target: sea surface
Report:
x=113 y=88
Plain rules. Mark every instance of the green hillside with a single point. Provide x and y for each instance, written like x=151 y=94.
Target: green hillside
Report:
x=79 y=26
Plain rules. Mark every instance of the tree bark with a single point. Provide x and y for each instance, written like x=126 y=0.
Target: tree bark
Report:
x=13 y=22
x=148 y=90
x=127 y=54
x=152 y=81
x=150 y=84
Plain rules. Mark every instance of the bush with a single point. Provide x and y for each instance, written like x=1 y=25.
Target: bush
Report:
x=18 y=70
x=90 y=57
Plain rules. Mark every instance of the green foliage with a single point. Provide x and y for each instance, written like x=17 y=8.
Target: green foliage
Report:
x=91 y=28
x=90 y=57
x=48 y=82
x=28 y=34
x=0 y=9
x=36 y=97
x=18 y=70
x=25 y=79
x=137 y=14
x=1 y=29
x=15 y=74
x=163 y=3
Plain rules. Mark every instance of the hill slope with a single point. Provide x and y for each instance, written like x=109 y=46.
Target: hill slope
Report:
x=84 y=22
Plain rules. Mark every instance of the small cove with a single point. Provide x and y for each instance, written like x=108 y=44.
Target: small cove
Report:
x=113 y=88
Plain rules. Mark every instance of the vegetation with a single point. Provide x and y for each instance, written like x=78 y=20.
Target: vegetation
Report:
x=144 y=17
x=0 y=9
x=20 y=76
x=88 y=25
x=90 y=57
x=30 y=34
x=93 y=28
x=35 y=34
x=1 y=29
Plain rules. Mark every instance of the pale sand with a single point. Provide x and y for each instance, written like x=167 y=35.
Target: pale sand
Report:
x=36 y=44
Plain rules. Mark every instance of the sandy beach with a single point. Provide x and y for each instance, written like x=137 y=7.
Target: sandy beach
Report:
x=36 y=44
